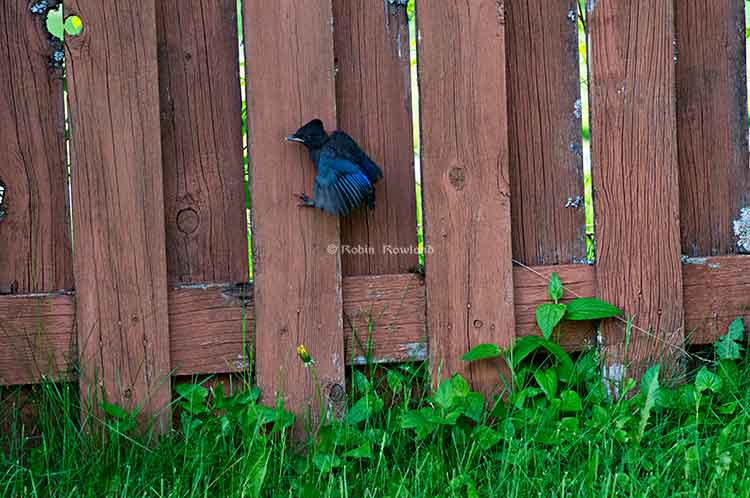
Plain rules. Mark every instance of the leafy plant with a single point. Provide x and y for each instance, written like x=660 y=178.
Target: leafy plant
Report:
x=549 y=315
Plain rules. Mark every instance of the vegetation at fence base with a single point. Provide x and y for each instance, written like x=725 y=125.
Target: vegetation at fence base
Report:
x=556 y=434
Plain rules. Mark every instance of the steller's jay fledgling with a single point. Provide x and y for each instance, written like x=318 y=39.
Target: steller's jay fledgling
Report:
x=346 y=176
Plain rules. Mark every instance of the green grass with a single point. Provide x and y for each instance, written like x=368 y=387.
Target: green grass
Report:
x=558 y=435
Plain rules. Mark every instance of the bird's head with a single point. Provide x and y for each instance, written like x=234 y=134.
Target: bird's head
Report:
x=313 y=134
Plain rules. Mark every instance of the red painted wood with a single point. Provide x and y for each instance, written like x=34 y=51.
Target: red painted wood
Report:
x=297 y=281
x=35 y=247
x=634 y=153
x=118 y=206
x=466 y=189
x=201 y=129
x=373 y=102
x=546 y=152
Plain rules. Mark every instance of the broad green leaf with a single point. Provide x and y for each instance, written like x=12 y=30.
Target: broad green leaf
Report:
x=706 y=379
x=257 y=473
x=530 y=343
x=571 y=402
x=325 y=463
x=736 y=329
x=395 y=381
x=482 y=352
x=547 y=380
x=55 y=23
x=569 y=425
x=423 y=421
x=590 y=308
x=115 y=411
x=548 y=316
x=363 y=451
x=194 y=397
x=555 y=288
x=727 y=349
x=473 y=406
x=650 y=389
x=363 y=409
x=485 y=437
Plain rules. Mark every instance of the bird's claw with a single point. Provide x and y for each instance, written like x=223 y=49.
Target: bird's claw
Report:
x=305 y=200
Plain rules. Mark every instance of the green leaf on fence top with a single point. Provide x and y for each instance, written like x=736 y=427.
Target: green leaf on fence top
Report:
x=555 y=287
x=548 y=315
x=482 y=352
x=591 y=308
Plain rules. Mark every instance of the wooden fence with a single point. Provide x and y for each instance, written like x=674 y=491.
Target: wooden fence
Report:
x=154 y=279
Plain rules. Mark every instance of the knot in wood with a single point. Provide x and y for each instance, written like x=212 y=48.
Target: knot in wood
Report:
x=457 y=177
x=478 y=324
x=188 y=221
x=336 y=393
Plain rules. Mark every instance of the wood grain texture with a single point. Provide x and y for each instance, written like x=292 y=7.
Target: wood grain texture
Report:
x=35 y=248
x=210 y=328
x=201 y=129
x=206 y=322
x=712 y=124
x=118 y=206
x=634 y=150
x=384 y=319
x=716 y=291
x=546 y=152
x=373 y=101
x=297 y=282
x=37 y=337
x=465 y=183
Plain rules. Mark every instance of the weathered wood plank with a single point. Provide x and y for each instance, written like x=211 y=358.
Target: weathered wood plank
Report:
x=120 y=257
x=373 y=90
x=715 y=292
x=37 y=337
x=206 y=322
x=297 y=282
x=546 y=160
x=384 y=319
x=634 y=150
x=201 y=129
x=712 y=125
x=35 y=249
x=465 y=183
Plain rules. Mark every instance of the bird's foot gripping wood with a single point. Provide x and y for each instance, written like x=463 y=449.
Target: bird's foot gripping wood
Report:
x=305 y=200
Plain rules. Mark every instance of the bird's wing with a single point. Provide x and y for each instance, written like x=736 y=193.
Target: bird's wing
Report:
x=346 y=147
x=340 y=186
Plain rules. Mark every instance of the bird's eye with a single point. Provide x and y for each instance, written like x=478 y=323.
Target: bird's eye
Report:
x=2 y=193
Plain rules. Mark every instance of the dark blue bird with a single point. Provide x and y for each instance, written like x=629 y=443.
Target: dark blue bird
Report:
x=346 y=176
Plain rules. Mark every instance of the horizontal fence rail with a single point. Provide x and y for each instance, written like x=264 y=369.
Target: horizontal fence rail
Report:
x=128 y=264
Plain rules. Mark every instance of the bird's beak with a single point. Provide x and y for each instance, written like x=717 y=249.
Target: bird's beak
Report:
x=294 y=138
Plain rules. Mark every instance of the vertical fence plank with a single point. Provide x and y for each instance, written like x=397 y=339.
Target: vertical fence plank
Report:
x=465 y=182
x=634 y=147
x=712 y=125
x=297 y=283
x=374 y=105
x=546 y=161
x=118 y=206
x=204 y=189
x=35 y=250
